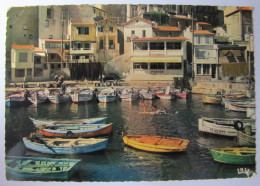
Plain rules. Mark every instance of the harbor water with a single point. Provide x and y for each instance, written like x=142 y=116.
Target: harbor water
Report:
x=122 y=163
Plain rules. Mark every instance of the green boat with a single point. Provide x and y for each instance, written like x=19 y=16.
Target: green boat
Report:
x=30 y=168
x=238 y=156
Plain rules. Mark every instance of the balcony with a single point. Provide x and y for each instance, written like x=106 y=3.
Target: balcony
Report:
x=82 y=51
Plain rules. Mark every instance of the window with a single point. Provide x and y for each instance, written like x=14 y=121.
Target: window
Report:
x=25 y=27
x=111 y=29
x=23 y=57
x=83 y=30
x=94 y=10
x=46 y=23
x=48 y=13
x=37 y=60
x=200 y=54
x=140 y=66
x=156 y=65
x=38 y=72
x=157 y=46
x=87 y=46
x=52 y=66
x=133 y=32
x=172 y=66
x=101 y=29
x=50 y=36
x=101 y=44
x=29 y=72
x=206 y=69
x=143 y=33
x=170 y=34
x=140 y=46
x=197 y=38
x=173 y=45
x=59 y=66
x=111 y=44
x=30 y=36
x=198 y=68
x=207 y=39
x=52 y=56
x=19 y=73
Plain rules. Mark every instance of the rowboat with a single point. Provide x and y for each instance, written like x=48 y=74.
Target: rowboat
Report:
x=38 y=97
x=31 y=168
x=166 y=94
x=100 y=120
x=182 y=95
x=82 y=95
x=246 y=137
x=75 y=131
x=234 y=96
x=250 y=113
x=224 y=127
x=57 y=97
x=64 y=146
x=16 y=100
x=156 y=143
x=212 y=99
x=107 y=95
x=239 y=106
x=146 y=94
x=238 y=156
x=128 y=95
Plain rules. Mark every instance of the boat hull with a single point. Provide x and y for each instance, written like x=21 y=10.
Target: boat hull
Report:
x=156 y=143
x=245 y=140
x=57 y=99
x=166 y=96
x=212 y=99
x=81 y=98
x=41 y=168
x=15 y=102
x=75 y=146
x=236 y=157
x=106 y=99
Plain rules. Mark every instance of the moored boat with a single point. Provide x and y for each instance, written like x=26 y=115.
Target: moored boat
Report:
x=212 y=99
x=65 y=146
x=128 y=95
x=146 y=94
x=100 y=120
x=234 y=96
x=156 y=143
x=246 y=137
x=58 y=97
x=82 y=95
x=107 y=95
x=76 y=130
x=239 y=106
x=31 y=168
x=224 y=126
x=17 y=99
x=38 y=97
x=238 y=156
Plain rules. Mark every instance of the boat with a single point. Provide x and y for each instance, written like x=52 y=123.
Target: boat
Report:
x=251 y=113
x=40 y=168
x=212 y=99
x=107 y=95
x=156 y=143
x=234 y=96
x=17 y=99
x=238 y=155
x=224 y=126
x=246 y=137
x=58 y=97
x=182 y=95
x=146 y=94
x=239 y=106
x=75 y=131
x=128 y=95
x=38 y=97
x=82 y=95
x=166 y=94
x=100 y=120
x=65 y=146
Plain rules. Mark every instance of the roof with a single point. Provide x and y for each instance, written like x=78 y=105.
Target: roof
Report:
x=167 y=28
x=145 y=20
x=56 y=40
x=203 y=32
x=203 y=23
x=22 y=46
x=160 y=38
x=107 y=20
x=245 y=8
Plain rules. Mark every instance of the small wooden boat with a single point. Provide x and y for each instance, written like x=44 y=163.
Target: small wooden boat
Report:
x=64 y=146
x=166 y=94
x=234 y=96
x=76 y=130
x=224 y=126
x=238 y=156
x=146 y=94
x=82 y=95
x=156 y=143
x=239 y=106
x=182 y=95
x=30 y=168
x=57 y=97
x=246 y=137
x=212 y=99
x=251 y=113
x=101 y=120
x=38 y=97
x=128 y=95
x=17 y=100
x=107 y=95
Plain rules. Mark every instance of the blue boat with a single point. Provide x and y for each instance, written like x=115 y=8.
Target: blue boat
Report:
x=16 y=100
x=100 y=120
x=65 y=146
x=32 y=168
x=107 y=95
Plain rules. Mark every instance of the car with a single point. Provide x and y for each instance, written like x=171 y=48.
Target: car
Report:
x=111 y=77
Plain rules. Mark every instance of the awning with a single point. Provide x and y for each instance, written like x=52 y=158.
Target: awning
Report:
x=39 y=54
x=157 y=59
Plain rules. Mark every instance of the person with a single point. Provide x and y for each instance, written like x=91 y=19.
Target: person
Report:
x=154 y=107
x=145 y=106
x=63 y=88
x=56 y=78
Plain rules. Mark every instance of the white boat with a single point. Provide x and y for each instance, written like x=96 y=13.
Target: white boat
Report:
x=146 y=94
x=82 y=95
x=128 y=95
x=250 y=113
x=223 y=127
x=38 y=97
x=239 y=106
x=107 y=95
x=57 y=97
x=166 y=94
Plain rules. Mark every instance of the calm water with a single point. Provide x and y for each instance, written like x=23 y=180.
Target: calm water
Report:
x=122 y=163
